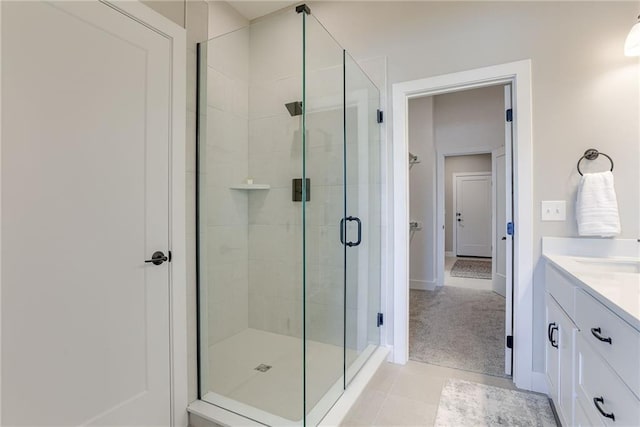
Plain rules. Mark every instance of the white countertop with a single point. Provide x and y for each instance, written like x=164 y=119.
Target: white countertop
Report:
x=599 y=276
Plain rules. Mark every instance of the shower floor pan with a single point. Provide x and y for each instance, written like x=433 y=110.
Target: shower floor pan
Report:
x=273 y=395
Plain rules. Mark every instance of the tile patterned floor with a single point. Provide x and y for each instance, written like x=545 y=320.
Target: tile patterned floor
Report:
x=408 y=395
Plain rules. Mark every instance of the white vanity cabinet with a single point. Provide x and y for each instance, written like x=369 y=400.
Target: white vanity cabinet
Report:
x=592 y=356
x=608 y=364
x=560 y=347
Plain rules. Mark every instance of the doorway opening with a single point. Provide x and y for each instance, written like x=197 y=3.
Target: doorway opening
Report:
x=457 y=312
x=468 y=222
x=520 y=269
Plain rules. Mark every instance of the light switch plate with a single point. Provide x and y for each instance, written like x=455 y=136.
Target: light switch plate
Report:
x=553 y=210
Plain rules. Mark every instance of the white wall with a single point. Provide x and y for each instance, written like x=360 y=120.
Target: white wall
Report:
x=585 y=91
x=469 y=119
x=458 y=164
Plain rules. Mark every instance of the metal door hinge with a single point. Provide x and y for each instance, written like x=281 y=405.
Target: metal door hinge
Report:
x=510 y=115
x=379 y=116
x=380 y=320
x=509 y=341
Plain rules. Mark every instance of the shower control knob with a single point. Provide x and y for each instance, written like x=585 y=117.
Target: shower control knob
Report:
x=158 y=258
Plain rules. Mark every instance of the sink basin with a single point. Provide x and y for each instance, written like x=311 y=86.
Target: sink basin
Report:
x=611 y=265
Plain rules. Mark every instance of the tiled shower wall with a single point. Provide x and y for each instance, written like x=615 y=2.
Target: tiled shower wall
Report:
x=225 y=210
x=275 y=158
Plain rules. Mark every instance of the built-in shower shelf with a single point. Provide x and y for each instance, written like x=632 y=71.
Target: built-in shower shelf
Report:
x=250 y=187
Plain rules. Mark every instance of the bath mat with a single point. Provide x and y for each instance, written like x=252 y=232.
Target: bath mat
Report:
x=472 y=268
x=458 y=328
x=465 y=403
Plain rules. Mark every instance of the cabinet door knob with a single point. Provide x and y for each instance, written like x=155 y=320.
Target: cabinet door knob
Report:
x=597 y=401
x=596 y=333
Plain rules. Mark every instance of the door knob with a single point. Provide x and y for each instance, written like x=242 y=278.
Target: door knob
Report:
x=157 y=258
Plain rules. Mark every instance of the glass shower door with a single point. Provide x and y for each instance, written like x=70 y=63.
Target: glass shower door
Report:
x=323 y=211
x=362 y=217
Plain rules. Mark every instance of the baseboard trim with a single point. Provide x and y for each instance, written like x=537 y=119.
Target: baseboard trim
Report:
x=423 y=285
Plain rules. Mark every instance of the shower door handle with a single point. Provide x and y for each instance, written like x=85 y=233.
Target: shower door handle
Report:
x=357 y=220
x=342 y=230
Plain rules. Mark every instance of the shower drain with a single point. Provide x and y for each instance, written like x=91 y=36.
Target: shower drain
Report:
x=262 y=367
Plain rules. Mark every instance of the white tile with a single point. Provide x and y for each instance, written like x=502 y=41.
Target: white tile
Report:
x=226 y=206
x=192 y=64
x=218 y=90
x=364 y=411
x=418 y=387
x=398 y=411
x=227 y=244
x=229 y=54
x=264 y=100
x=190 y=142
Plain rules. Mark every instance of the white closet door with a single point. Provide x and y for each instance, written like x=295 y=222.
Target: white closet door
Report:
x=85 y=200
x=473 y=215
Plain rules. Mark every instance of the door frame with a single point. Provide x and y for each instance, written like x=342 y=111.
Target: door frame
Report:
x=494 y=202
x=455 y=205
x=518 y=74
x=177 y=202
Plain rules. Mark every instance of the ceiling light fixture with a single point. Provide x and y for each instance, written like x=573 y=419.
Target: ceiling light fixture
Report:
x=632 y=44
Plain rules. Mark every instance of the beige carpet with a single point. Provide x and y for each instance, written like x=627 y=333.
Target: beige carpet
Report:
x=458 y=328
x=469 y=404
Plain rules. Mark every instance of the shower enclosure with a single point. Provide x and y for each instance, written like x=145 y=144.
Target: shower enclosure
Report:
x=288 y=195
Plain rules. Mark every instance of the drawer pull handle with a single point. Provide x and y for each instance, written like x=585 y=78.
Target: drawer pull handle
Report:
x=596 y=333
x=597 y=401
x=552 y=328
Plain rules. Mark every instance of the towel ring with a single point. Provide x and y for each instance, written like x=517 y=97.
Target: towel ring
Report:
x=592 y=154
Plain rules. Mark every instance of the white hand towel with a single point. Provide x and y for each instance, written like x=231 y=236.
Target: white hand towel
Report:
x=597 y=206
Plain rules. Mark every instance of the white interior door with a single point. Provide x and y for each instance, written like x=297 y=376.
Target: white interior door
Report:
x=85 y=199
x=500 y=237
x=473 y=214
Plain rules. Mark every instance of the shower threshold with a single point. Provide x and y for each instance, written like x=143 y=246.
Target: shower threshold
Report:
x=274 y=397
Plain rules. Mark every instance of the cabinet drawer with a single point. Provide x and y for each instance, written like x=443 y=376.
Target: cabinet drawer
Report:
x=623 y=350
x=597 y=380
x=582 y=419
x=561 y=289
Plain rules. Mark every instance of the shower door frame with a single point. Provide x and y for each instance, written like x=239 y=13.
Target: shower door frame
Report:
x=208 y=409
